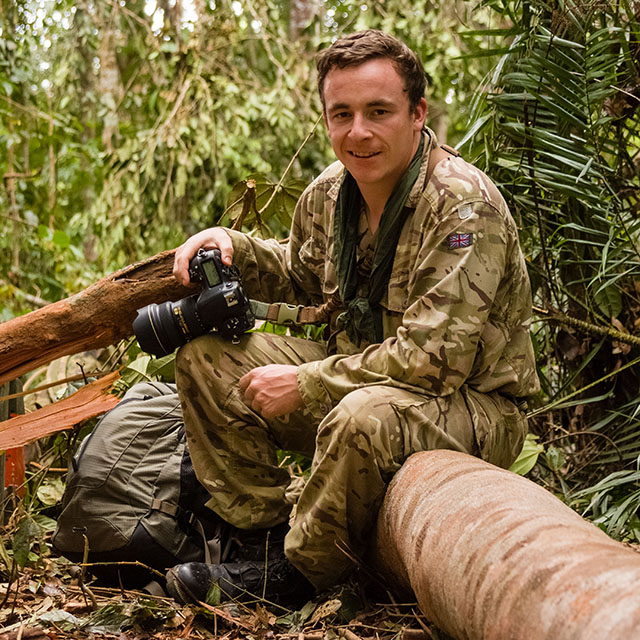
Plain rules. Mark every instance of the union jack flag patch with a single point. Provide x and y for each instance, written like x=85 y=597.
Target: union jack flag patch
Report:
x=460 y=240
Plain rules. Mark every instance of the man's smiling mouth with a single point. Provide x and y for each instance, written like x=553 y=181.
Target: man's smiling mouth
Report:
x=357 y=154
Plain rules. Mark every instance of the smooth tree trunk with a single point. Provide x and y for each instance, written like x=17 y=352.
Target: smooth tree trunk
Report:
x=492 y=556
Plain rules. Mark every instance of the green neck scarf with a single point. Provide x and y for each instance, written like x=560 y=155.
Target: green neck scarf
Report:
x=363 y=316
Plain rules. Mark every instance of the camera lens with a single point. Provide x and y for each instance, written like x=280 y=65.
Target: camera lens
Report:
x=162 y=328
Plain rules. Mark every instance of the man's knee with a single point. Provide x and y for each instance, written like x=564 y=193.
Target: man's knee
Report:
x=363 y=423
x=196 y=353
x=368 y=401
x=397 y=423
x=500 y=427
x=200 y=374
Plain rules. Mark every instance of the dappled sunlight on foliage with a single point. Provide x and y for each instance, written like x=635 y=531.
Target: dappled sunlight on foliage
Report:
x=126 y=133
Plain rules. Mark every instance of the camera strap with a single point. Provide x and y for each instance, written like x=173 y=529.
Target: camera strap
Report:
x=288 y=314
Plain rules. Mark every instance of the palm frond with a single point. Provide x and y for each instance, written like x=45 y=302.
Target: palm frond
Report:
x=551 y=126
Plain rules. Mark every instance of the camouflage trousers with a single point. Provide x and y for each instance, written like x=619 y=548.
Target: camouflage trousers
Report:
x=355 y=449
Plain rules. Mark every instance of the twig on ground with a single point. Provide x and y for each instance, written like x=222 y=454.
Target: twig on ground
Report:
x=226 y=616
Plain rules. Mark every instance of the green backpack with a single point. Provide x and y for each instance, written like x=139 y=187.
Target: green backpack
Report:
x=132 y=494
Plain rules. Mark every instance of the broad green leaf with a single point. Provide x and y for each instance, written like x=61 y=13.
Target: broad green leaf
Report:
x=61 y=239
x=162 y=368
x=28 y=531
x=50 y=491
x=528 y=457
x=45 y=523
x=214 y=595
x=609 y=301
x=61 y=618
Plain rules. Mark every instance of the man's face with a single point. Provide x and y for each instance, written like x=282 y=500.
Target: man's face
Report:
x=372 y=130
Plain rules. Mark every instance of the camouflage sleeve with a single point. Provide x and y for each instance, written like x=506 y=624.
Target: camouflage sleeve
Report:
x=460 y=266
x=271 y=270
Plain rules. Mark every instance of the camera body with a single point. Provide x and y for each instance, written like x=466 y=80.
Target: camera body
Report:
x=223 y=300
x=221 y=306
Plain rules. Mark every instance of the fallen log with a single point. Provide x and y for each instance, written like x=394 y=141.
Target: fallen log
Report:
x=90 y=401
x=490 y=555
x=99 y=316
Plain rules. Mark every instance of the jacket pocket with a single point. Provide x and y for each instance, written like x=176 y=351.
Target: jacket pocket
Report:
x=499 y=425
x=315 y=257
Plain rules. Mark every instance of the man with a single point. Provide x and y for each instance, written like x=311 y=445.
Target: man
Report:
x=429 y=344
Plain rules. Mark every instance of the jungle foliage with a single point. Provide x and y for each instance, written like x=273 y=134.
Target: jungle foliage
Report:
x=556 y=126
x=127 y=126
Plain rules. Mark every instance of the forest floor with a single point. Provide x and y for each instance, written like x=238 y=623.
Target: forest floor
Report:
x=46 y=600
x=48 y=604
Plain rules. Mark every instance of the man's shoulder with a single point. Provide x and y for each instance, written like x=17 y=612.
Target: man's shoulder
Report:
x=324 y=188
x=457 y=185
x=455 y=180
x=330 y=176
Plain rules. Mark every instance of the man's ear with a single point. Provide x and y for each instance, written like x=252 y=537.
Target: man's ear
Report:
x=420 y=114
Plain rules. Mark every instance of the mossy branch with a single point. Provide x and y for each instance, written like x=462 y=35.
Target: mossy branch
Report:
x=587 y=327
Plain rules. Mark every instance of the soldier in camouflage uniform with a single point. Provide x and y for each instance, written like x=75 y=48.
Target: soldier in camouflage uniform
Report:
x=430 y=351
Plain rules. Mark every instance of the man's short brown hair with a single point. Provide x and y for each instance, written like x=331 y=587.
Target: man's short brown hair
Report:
x=357 y=48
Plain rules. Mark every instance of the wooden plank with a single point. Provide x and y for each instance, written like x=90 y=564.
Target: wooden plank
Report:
x=4 y=414
x=91 y=400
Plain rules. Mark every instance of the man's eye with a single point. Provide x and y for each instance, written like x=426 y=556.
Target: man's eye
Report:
x=380 y=112
x=341 y=115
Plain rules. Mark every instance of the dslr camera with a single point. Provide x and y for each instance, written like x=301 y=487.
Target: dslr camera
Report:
x=222 y=306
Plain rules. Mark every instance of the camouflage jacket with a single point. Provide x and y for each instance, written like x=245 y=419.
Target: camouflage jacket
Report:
x=458 y=304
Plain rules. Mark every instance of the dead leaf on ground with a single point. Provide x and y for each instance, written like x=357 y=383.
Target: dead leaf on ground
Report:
x=26 y=633
x=326 y=610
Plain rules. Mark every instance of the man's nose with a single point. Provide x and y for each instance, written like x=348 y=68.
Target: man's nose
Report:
x=360 y=128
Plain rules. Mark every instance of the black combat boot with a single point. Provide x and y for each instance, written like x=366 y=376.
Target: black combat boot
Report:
x=256 y=568
x=278 y=581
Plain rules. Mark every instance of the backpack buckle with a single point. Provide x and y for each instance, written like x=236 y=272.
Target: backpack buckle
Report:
x=288 y=313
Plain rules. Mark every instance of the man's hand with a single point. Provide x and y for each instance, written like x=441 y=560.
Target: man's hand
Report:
x=213 y=238
x=272 y=390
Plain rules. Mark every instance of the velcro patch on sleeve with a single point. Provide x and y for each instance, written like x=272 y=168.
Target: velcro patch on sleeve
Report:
x=465 y=211
x=460 y=240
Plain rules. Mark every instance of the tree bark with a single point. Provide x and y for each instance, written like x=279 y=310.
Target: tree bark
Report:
x=110 y=83
x=300 y=14
x=14 y=214
x=493 y=556
x=99 y=316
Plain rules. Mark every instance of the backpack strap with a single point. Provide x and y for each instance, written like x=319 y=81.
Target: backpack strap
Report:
x=191 y=519
x=168 y=507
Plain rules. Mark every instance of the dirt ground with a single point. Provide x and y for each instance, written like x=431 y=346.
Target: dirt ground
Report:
x=48 y=604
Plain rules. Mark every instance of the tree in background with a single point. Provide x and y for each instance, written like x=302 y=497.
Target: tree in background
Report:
x=128 y=123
